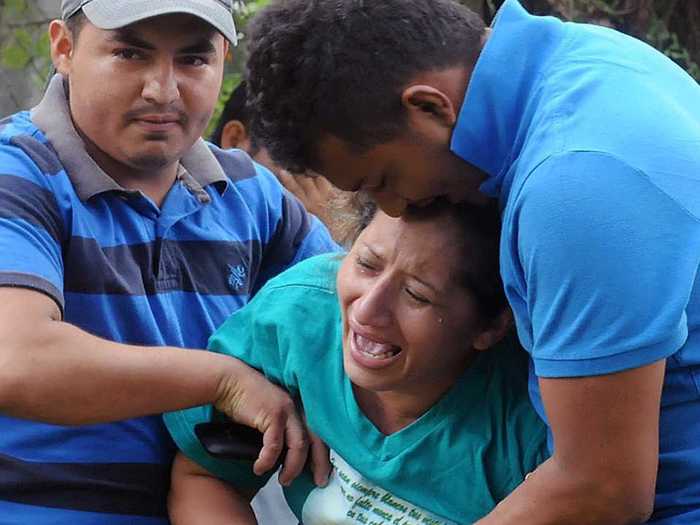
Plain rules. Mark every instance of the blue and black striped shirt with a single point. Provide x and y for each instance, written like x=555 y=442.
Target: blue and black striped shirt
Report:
x=121 y=268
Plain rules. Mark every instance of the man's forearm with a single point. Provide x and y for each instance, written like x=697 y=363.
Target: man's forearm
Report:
x=60 y=374
x=54 y=372
x=556 y=496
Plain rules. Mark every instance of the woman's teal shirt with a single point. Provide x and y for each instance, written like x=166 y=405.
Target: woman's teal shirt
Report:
x=452 y=465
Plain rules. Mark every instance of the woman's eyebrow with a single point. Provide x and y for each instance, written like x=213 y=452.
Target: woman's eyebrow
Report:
x=424 y=282
x=373 y=252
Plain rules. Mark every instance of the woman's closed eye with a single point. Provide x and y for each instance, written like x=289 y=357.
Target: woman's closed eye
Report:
x=417 y=297
x=365 y=263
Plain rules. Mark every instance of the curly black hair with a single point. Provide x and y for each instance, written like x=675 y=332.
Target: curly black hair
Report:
x=340 y=66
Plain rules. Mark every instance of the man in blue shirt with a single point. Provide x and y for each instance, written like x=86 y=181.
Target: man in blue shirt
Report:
x=124 y=239
x=590 y=140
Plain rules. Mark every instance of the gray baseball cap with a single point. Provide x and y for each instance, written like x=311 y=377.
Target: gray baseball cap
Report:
x=113 y=14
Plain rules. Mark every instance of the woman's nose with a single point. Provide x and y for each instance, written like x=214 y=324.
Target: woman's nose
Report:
x=374 y=307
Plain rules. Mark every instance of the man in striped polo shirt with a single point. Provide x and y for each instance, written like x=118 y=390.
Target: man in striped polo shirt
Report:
x=124 y=239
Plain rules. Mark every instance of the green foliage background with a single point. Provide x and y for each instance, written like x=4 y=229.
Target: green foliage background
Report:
x=244 y=11
x=672 y=26
x=24 y=41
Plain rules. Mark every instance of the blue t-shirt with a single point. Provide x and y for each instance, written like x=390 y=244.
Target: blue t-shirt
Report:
x=450 y=466
x=592 y=145
x=121 y=268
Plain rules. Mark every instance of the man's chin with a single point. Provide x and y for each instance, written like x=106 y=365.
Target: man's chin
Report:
x=153 y=161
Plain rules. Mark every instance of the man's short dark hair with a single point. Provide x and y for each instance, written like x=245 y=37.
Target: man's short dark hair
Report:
x=235 y=109
x=340 y=66
x=75 y=24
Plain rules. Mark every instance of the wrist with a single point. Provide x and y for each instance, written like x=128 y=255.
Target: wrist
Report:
x=229 y=390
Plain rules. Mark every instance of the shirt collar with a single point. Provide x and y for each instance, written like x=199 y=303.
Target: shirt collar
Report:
x=52 y=116
x=498 y=106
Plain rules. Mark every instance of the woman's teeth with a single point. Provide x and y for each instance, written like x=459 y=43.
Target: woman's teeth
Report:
x=375 y=350
x=379 y=356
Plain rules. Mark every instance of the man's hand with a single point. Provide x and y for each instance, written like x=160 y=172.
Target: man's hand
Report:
x=246 y=396
x=315 y=193
x=332 y=206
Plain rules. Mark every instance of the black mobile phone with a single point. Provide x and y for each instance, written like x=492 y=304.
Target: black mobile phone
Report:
x=229 y=440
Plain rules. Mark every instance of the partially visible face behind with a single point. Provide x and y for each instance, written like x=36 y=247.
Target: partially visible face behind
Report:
x=408 y=324
x=142 y=95
x=406 y=170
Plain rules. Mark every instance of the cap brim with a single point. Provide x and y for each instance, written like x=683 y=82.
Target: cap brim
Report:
x=108 y=14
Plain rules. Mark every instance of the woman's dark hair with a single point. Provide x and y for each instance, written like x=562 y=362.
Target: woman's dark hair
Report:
x=340 y=66
x=479 y=241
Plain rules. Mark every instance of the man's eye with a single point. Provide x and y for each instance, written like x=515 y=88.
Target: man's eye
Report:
x=194 y=61
x=128 y=54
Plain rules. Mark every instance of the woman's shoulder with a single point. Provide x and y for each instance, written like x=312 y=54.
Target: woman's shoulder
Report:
x=518 y=431
x=315 y=273
x=505 y=368
x=508 y=362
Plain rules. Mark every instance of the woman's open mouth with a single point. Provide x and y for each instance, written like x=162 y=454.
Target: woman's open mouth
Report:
x=370 y=353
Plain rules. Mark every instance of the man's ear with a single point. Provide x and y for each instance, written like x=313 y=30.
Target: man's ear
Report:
x=235 y=135
x=427 y=102
x=496 y=331
x=61 y=46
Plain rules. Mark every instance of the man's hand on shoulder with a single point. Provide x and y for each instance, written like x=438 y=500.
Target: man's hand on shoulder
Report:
x=246 y=396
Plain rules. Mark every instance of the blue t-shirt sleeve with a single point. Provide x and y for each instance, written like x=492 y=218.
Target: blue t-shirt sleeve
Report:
x=31 y=226
x=608 y=261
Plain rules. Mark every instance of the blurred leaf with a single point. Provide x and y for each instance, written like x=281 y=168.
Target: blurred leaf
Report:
x=41 y=47
x=23 y=38
x=14 y=7
x=14 y=57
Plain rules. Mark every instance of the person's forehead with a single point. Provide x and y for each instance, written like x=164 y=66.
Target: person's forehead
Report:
x=435 y=230
x=421 y=247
